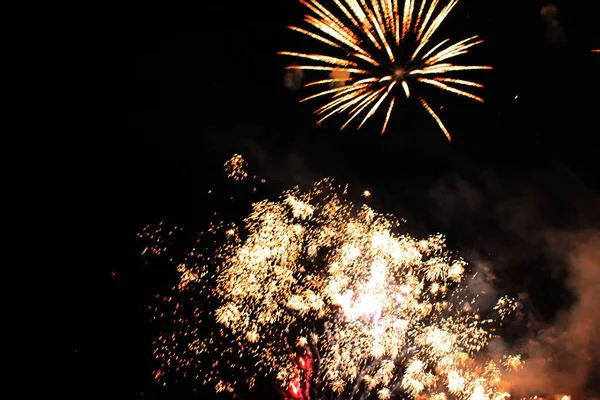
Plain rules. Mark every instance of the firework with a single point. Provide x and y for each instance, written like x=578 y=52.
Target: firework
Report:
x=235 y=167
x=505 y=306
x=512 y=363
x=384 y=50
x=328 y=299
x=155 y=238
x=596 y=51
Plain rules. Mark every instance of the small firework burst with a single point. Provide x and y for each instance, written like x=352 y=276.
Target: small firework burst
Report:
x=512 y=363
x=235 y=168
x=505 y=306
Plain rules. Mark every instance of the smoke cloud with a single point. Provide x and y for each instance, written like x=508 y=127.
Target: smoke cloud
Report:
x=555 y=32
x=292 y=79
x=340 y=76
x=538 y=227
x=564 y=357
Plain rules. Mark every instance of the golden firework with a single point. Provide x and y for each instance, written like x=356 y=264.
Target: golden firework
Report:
x=235 y=167
x=383 y=47
x=329 y=299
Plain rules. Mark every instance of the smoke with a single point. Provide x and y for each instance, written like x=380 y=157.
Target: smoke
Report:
x=286 y=166
x=555 y=32
x=292 y=79
x=340 y=76
x=542 y=235
x=564 y=357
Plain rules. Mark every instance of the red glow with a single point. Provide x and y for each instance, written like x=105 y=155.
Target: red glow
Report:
x=294 y=389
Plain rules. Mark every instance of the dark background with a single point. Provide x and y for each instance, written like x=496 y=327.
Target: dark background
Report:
x=199 y=82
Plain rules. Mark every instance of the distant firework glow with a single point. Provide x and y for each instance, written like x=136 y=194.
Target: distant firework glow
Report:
x=380 y=52
x=329 y=300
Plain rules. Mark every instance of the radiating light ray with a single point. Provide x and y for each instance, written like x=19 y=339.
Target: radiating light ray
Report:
x=339 y=36
x=387 y=47
x=459 y=82
x=444 y=68
x=323 y=81
x=437 y=119
x=449 y=88
x=326 y=59
x=325 y=14
x=406 y=18
x=453 y=50
x=430 y=10
x=430 y=52
x=383 y=37
x=418 y=23
x=362 y=105
x=367 y=59
x=322 y=68
x=346 y=102
x=389 y=112
x=405 y=87
x=314 y=36
x=337 y=90
x=381 y=99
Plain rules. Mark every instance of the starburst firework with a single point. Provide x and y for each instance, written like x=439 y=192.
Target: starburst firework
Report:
x=382 y=47
x=328 y=299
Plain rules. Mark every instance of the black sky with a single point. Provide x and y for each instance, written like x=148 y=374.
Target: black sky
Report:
x=199 y=82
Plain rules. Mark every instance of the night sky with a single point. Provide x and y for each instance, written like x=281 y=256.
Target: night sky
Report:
x=200 y=82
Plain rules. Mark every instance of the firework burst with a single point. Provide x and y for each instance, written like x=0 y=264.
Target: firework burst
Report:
x=384 y=49
x=330 y=300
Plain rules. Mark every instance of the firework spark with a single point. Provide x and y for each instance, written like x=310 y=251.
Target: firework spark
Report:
x=596 y=51
x=383 y=47
x=154 y=236
x=505 y=306
x=235 y=167
x=512 y=363
x=329 y=299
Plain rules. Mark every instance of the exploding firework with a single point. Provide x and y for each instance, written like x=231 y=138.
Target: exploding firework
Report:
x=329 y=299
x=382 y=47
x=596 y=51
